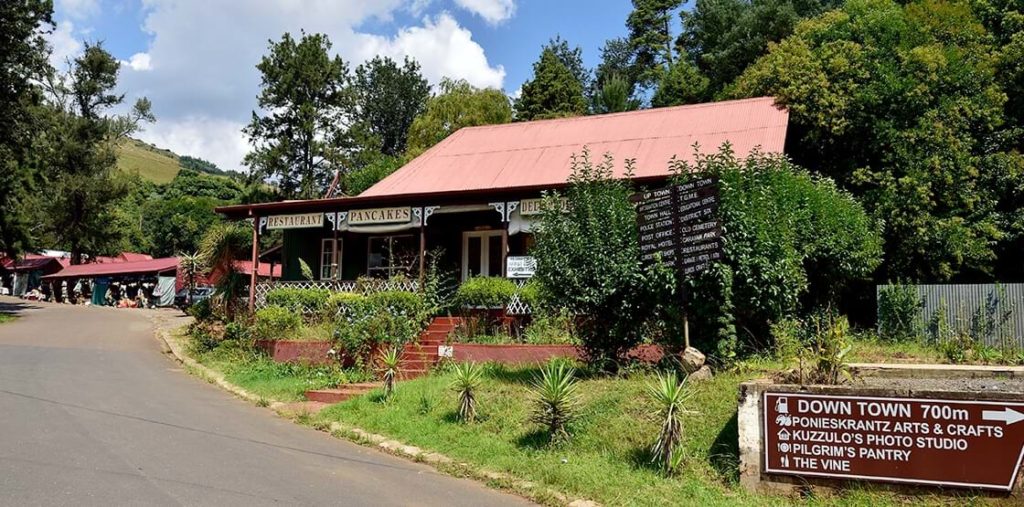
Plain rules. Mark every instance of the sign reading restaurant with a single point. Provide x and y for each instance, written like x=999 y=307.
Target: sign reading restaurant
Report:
x=379 y=216
x=941 y=442
x=305 y=220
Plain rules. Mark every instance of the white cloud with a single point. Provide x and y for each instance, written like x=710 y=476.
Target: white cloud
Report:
x=493 y=11
x=65 y=45
x=443 y=49
x=140 y=62
x=202 y=57
x=78 y=9
x=217 y=140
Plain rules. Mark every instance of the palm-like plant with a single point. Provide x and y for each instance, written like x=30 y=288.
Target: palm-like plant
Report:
x=468 y=377
x=220 y=247
x=389 y=360
x=669 y=394
x=555 y=400
x=191 y=264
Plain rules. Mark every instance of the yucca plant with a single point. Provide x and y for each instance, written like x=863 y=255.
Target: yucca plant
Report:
x=669 y=394
x=388 y=361
x=555 y=400
x=468 y=377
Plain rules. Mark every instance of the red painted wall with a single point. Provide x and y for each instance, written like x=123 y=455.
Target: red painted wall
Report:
x=307 y=352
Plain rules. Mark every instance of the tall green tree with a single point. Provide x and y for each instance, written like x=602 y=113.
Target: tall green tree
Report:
x=650 y=36
x=23 y=63
x=301 y=138
x=682 y=84
x=388 y=98
x=82 y=181
x=723 y=37
x=614 y=96
x=552 y=92
x=901 y=103
x=456 y=104
x=572 y=58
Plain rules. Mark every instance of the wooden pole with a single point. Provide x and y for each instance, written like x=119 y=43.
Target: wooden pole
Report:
x=423 y=246
x=255 y=263
x=334 y=257
x=504 y=249
x=686 y=329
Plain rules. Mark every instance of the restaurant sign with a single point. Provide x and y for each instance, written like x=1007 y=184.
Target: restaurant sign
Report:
x=940 y=442
x=303 y=221
x=379 y=216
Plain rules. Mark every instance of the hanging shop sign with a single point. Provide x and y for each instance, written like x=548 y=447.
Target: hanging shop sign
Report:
x=529 y=207
x=523 y=266
x=305 y=220
x=938 y=442
x=678 y=226
x=379 y=216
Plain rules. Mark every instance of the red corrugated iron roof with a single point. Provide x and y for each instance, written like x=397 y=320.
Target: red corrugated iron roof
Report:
x=539 y=153
x=245 y=267
x=144 y=267
x=33 y=262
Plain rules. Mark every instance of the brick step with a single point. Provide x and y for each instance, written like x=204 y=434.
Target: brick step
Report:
x=342 y=393
x=451 y=321
x=418 y=357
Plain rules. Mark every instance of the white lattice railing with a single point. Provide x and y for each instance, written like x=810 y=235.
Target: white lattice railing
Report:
x=362 y=286
x=515 y=307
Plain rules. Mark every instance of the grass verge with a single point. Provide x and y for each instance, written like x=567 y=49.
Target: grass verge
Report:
x=6 y=317
x=257 y=374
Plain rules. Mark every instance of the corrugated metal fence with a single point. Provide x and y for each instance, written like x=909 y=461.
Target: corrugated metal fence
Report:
x=964 y=304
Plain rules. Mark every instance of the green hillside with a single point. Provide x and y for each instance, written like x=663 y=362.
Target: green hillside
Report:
x=152 y=163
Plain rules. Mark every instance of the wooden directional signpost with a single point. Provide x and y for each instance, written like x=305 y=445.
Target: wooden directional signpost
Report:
x=941 y=442
x=679 y=227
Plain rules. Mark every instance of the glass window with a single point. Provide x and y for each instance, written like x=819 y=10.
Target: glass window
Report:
x=392 y=255
x=330 y=258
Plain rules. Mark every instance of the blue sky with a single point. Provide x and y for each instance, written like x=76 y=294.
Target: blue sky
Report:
x=195 y=58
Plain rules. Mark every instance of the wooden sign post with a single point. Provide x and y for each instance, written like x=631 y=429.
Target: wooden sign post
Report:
x=679 y=227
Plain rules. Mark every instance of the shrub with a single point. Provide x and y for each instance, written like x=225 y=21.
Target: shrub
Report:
x=275 y=323
x=236 y=331
x=384 y=318
x=555 y=402
x=338 y=302
x=303 y=301
x=588 y=262
x=485 y=292
x=530 y=294
x=823 y=356
x=555 y=327
x=468 y=377
x=898 y=306
x=669 y=394
x=201 y=311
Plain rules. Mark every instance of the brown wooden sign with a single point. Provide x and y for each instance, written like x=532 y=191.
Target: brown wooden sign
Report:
x=941 y=442
x=677 y=226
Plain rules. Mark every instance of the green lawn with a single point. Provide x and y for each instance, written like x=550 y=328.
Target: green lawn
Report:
x=6 y=317
x=607 y=459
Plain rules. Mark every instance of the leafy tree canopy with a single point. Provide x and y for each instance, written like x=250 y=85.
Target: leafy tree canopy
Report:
x=301 y=139
x=553 y=92
x=457 y=104
x=650 y=37
x=682 y=84
x=388 y=98
x=902 y=104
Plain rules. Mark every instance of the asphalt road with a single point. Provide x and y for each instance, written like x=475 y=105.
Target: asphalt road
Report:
x=92 y=413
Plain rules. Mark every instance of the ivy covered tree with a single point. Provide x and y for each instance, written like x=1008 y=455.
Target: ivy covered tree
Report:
x=302 y=137
x=456 y=104
x=553 y=92
x=938 y=165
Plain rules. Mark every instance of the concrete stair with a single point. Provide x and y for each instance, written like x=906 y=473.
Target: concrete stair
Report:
x=342 y=393
x=417 y=358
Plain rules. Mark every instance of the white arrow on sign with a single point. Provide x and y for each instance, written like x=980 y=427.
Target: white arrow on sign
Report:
x=1007 y=415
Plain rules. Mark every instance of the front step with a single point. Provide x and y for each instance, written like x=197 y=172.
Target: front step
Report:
x=340 y=394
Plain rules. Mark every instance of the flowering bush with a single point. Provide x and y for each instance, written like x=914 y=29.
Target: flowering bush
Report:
x=390 y=318
x=275 y=323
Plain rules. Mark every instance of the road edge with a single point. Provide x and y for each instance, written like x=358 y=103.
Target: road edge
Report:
x=443 y=464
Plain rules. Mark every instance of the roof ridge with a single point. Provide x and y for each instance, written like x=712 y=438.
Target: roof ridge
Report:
x=584 y=117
